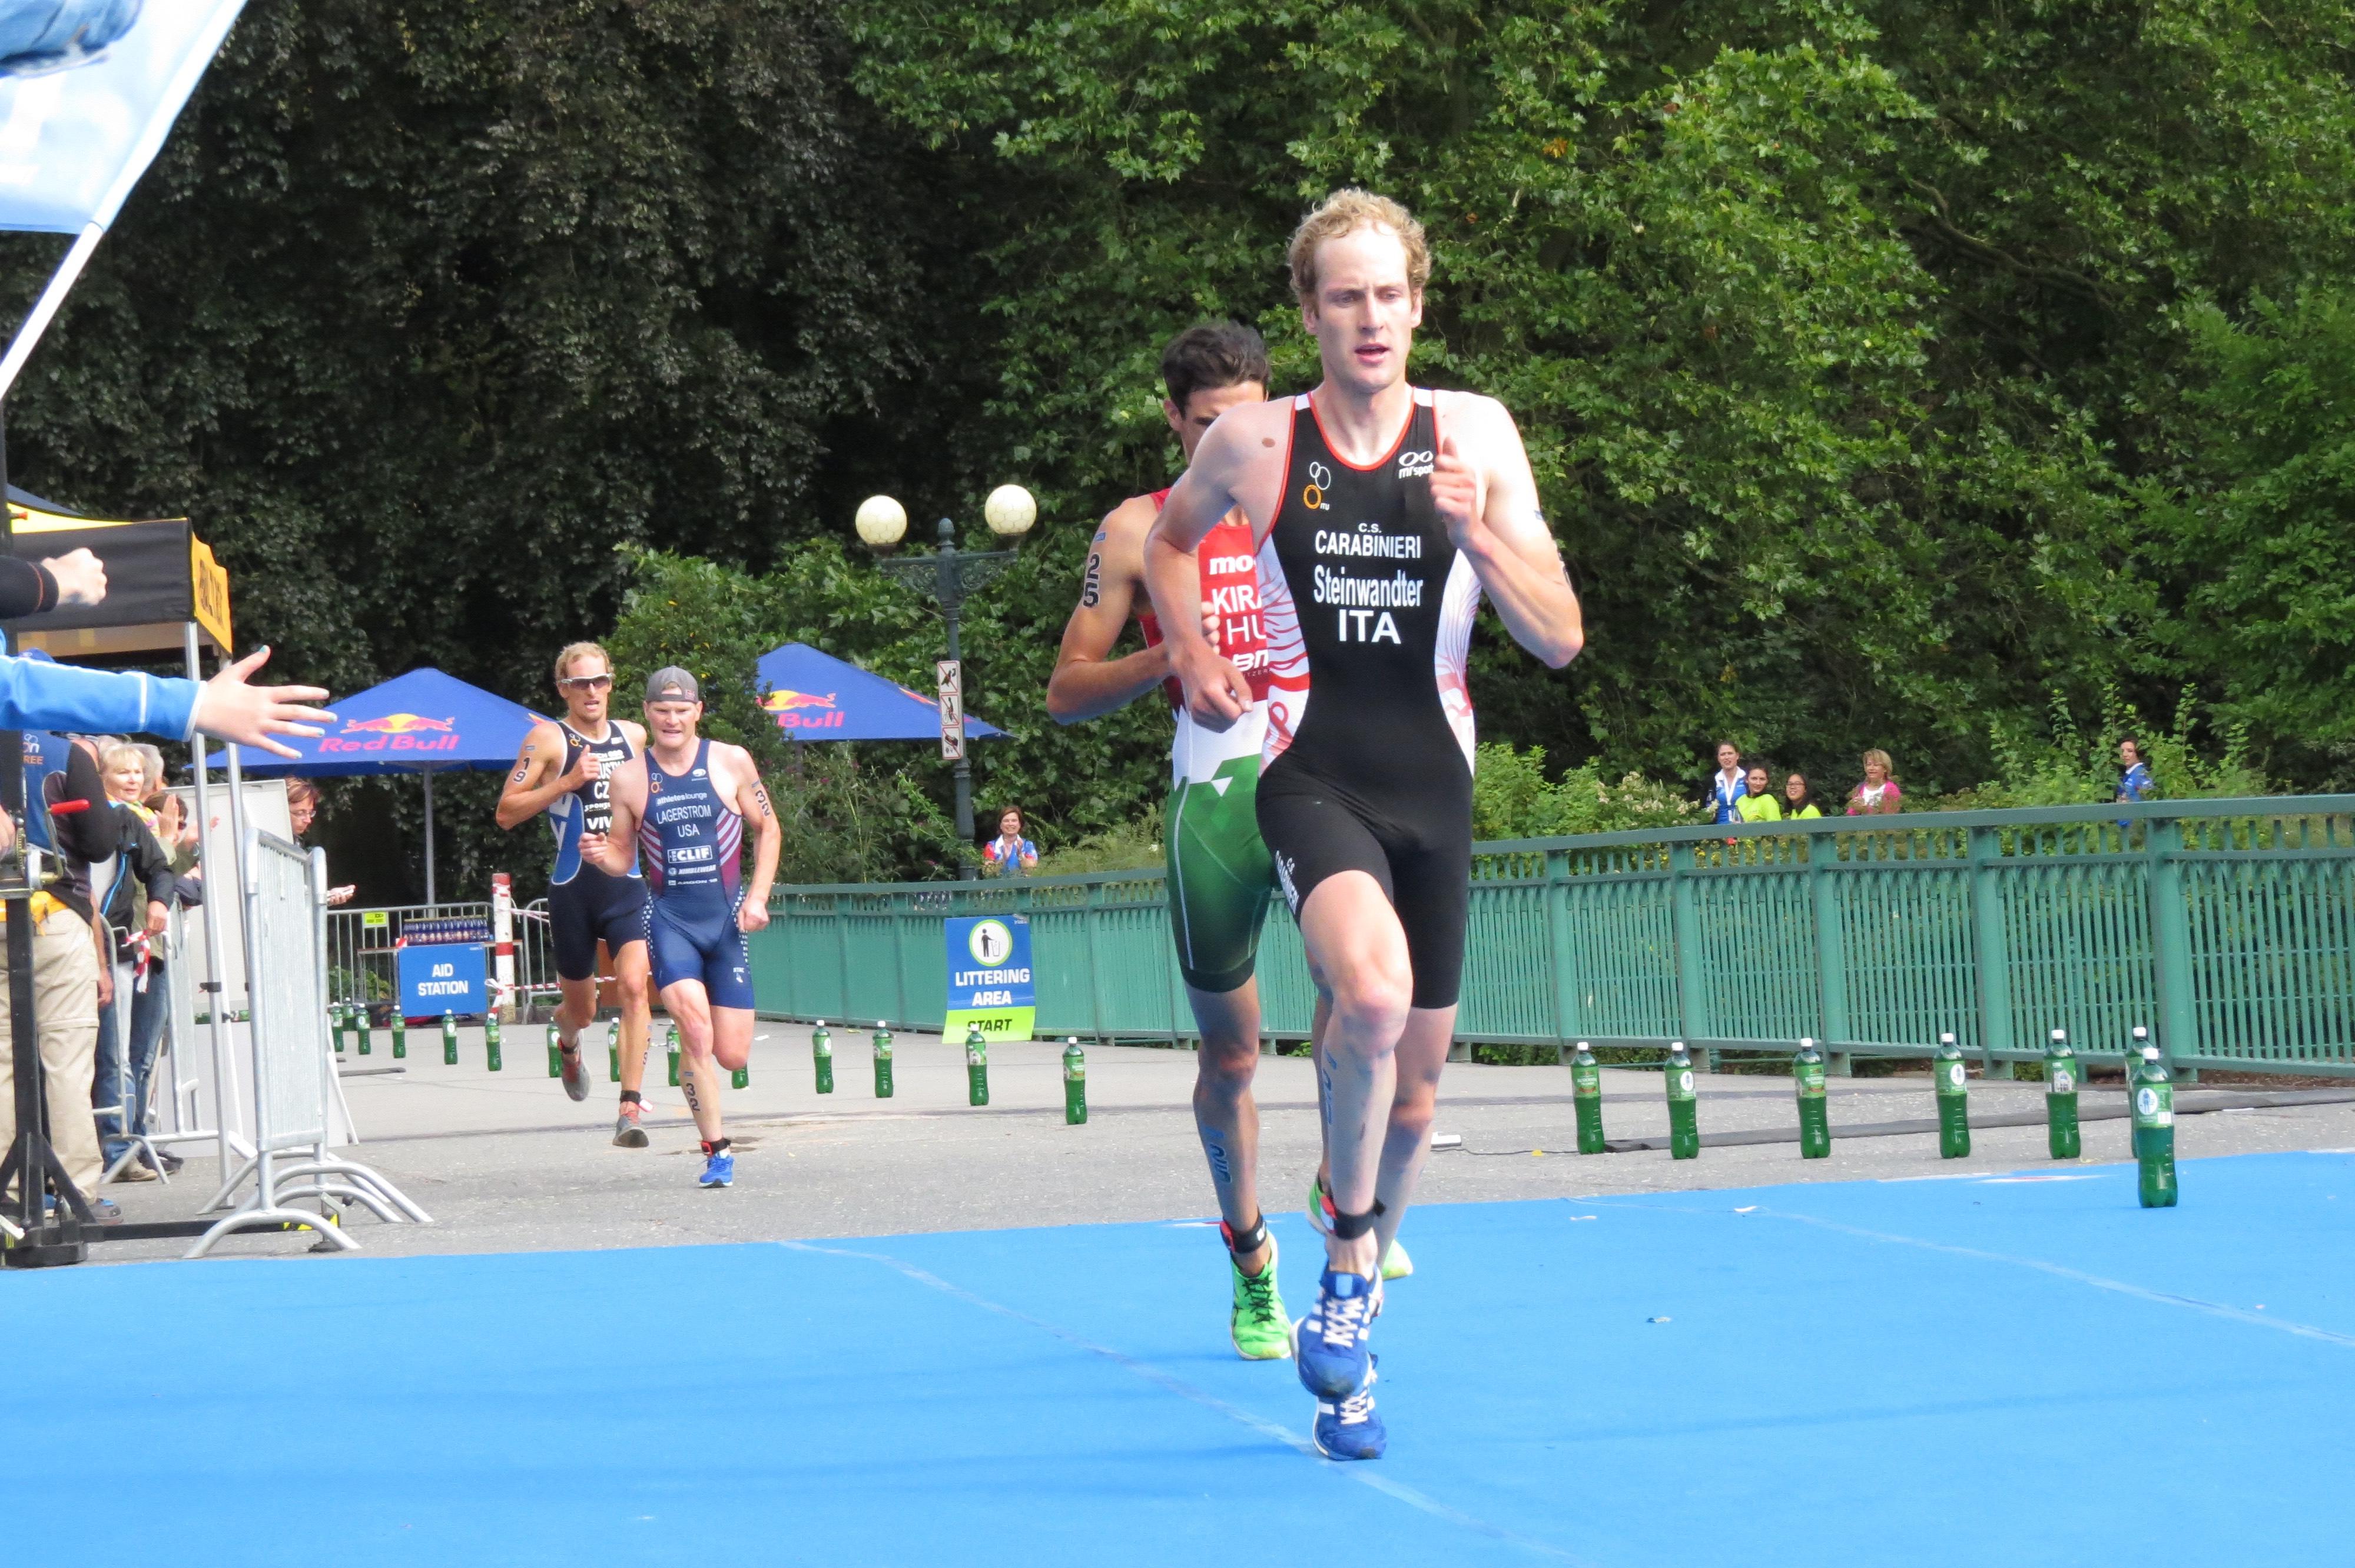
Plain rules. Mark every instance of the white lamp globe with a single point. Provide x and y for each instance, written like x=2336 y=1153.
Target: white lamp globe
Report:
x=881 y=521
x=1010 y=511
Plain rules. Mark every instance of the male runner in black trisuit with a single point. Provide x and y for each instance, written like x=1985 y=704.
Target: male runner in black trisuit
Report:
x=566 y=769
x=1383 y=512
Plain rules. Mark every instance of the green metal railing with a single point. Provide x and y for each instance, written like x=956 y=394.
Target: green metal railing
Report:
x=2226 y=926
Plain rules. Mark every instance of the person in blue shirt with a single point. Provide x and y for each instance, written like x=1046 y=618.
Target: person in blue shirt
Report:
x=2136 y=783
x=1009 y=854
x=1728 y=784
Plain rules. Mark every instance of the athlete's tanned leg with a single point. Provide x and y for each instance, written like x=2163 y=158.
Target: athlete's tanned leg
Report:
x=1219 y=875
x=1383 y=512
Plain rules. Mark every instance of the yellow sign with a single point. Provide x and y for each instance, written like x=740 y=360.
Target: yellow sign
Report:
x=208 y=593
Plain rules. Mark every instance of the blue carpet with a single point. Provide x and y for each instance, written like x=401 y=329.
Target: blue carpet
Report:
x=1965 y=1371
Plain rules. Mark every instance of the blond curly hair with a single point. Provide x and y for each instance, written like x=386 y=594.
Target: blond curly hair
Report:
x=1346 y=212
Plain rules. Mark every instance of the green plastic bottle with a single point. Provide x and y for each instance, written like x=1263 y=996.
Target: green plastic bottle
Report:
x=399 y=1038
x=976 y=1066
x=1075 y=1082
x=822 y=1055
x=742 y=1078
x=1684 y=1112
x=358 y=1016
x=555 y=1054
x=2061 y=1098
x=1586 y=1100
x=1815 y=1114
x=672 y=1045
x=490 y=1039
x=1954 y=1099
x=613 y=1049
x=449 y=1038
x=882 y=1061
x=336 y=1016
x=2154 y=1126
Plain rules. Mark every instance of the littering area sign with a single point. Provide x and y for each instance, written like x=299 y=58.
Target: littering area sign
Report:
x=989 y=978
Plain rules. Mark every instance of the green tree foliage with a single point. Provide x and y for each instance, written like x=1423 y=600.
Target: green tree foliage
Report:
x=1838 y=333
x=424 y=309
x=1887 y=368
x=2254 y=545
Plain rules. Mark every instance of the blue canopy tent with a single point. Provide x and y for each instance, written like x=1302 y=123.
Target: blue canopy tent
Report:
x=424 y=722
x=815 y=696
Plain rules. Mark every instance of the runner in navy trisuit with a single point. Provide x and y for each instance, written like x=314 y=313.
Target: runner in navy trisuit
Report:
x=566 y=769
x=683 y=804
x=1383 y=512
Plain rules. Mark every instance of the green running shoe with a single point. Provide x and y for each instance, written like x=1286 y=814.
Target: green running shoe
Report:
x=1260 y=1329
x=1396 y=1265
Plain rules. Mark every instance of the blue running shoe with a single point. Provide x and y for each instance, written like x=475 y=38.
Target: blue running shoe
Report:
x=1331 y=1352
x=719 y=1170
x=1348 y=1428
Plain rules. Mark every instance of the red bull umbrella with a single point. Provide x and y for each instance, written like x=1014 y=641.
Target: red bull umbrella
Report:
x=424 y=722
x=815 y=696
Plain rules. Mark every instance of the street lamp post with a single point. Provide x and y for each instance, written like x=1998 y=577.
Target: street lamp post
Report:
x=949 y=575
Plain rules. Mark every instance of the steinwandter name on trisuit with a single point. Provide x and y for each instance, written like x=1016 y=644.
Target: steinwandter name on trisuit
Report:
x=1357 y=600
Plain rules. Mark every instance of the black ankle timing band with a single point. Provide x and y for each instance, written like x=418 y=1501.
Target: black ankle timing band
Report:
x=632 y=1097
x=1349 y=1228
x=1244 y=1243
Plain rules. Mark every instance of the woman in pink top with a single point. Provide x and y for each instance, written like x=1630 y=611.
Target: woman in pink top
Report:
x=1877 y=796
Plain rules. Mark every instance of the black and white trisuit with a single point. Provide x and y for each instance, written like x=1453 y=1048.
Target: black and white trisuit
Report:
x=1369 y=734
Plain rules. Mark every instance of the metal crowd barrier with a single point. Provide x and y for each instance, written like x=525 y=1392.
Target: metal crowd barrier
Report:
x=362 y=944
x=2227 y=927
x=294 y=1063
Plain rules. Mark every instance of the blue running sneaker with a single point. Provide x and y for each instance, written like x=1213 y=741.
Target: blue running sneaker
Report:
x=719 y=1170
x=1331 y=1351
x=1348 y=1428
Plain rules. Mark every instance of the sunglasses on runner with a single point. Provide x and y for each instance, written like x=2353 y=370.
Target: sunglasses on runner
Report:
x=587 y=683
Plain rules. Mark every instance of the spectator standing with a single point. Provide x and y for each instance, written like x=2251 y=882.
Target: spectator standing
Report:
x=2134 y=783
x=1799 y=801
x=301 y=810
x=1757 y=803
x=1728 y=784
x=135 y=908
x=1878 y=795
x=67 y=980
x=1009 y=851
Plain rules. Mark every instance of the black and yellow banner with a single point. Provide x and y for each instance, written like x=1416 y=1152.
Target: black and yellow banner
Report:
x=159 y=577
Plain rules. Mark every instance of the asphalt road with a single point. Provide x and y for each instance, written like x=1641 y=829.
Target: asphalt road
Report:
x=505 y=1162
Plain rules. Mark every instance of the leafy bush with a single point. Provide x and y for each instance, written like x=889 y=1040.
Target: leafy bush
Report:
x=1128 y=846
x=2069 y=764
x=1512 y=798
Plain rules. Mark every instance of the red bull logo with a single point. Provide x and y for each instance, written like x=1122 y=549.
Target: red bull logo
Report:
x=395 y=732
x=790 y=706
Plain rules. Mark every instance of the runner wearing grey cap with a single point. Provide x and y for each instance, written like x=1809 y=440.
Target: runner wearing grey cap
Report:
x=685 y=801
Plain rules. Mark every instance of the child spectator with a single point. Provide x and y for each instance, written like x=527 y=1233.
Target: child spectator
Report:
x=1757 y=802
x=1877 y=796
x=1799 y=801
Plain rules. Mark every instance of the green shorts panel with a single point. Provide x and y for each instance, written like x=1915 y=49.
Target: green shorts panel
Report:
x=1219 y=878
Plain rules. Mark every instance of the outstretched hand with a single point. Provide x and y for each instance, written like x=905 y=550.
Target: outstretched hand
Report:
x=228 y=709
